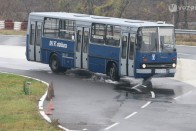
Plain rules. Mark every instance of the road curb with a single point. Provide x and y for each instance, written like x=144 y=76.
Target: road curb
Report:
x=41 y=101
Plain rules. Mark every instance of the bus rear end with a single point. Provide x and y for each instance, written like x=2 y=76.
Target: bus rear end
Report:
x=155 y=54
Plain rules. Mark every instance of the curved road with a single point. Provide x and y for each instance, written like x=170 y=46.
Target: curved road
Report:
x=87 y=101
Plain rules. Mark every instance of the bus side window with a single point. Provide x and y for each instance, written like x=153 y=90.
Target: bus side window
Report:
x=51 y=27
x=86 y=41
x=79 y=41
x=32 y=36
x=113 y=35
x=131 y=49
x=67 y=29
x=124 y=47
x=38 y=35
x=98 y=33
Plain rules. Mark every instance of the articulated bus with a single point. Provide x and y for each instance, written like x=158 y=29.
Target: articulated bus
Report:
x=112 y=46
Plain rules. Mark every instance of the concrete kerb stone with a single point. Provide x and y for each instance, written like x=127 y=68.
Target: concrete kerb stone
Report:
x=41 y=101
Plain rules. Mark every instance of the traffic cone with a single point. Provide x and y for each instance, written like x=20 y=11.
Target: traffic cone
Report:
x=52 y=89
x=48 y=110
x=51 y=104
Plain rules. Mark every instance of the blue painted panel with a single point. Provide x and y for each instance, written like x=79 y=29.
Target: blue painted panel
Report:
x=63 y=49
x=106 y=52
x=58 y=45
x=68 y=63
x=153 y=58
x=97 y=64
x=99 y=55
x=45 y=56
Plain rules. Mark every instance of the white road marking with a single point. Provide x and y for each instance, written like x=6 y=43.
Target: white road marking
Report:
x=45 y=116
x=148 y=103
x=135 y=87
x=113 y=125
x=152 y=94
x=183 y=95
x=134 y=113
x=144 y=86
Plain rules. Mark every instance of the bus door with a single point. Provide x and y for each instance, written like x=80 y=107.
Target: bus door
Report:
x=82 y=47
x=127 y=54
x=35 y=41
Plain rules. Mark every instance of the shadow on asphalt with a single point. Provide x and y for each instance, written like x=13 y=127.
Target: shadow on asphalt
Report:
x=124 y=86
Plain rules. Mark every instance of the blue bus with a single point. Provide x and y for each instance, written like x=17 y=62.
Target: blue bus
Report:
x=112 y=46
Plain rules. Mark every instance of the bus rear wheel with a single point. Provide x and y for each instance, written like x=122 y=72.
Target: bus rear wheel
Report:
x=113 y=73
x=54 y=63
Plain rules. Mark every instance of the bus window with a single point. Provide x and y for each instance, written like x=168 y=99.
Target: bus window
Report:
x=67 y=29
x=124 y=47
x=98 y=33
x=113 y=35
x=131 y=48
x=38 y=35
x=86 y=41
x=79 y=41
x=51 y=27
x=32 y=36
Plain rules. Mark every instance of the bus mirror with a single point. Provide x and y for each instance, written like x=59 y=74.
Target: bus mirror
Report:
x=174 y=49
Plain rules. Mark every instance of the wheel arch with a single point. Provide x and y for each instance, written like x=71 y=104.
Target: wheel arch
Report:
x=109 y=64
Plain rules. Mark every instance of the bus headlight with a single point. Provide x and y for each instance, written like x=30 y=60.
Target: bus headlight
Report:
x=173 y=65
x=143 y=65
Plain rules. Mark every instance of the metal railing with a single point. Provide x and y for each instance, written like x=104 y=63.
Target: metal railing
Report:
x=182 y=31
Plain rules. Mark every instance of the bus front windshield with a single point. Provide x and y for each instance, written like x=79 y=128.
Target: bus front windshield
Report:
x=154 y=39
x=166 y=36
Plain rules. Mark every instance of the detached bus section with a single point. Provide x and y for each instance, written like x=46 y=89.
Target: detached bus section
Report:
x=113 y=46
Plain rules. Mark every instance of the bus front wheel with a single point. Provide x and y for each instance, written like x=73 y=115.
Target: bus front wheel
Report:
x=113 y=73
x=54 y=63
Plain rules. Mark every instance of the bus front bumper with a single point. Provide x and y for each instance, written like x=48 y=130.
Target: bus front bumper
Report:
x=155 y=71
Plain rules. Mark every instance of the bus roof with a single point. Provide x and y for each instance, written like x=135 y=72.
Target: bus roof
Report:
x=99 y=19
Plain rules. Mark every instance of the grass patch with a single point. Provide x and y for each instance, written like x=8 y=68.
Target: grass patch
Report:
x=186 y=40
x=19 y=112
x=12 y=32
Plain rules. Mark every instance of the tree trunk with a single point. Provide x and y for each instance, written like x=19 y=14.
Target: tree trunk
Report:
x=177 y=15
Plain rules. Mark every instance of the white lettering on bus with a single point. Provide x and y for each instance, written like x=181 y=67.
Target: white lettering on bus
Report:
x=57 y=44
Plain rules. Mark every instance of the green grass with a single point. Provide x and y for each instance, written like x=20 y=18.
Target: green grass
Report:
x=19 y=112
x=12 y=32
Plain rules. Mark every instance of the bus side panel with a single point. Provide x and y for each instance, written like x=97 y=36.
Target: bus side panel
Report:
x=63 y=49
x=99 y=56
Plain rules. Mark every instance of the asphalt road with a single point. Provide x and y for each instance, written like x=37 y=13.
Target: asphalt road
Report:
x=186 y=52
x=87 y=101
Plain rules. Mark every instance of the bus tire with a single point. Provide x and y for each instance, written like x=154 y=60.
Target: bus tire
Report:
x=113 y=72
x=54 y=63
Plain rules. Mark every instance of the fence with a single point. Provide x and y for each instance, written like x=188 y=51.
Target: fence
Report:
x=11 y=25
x=181 y=31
